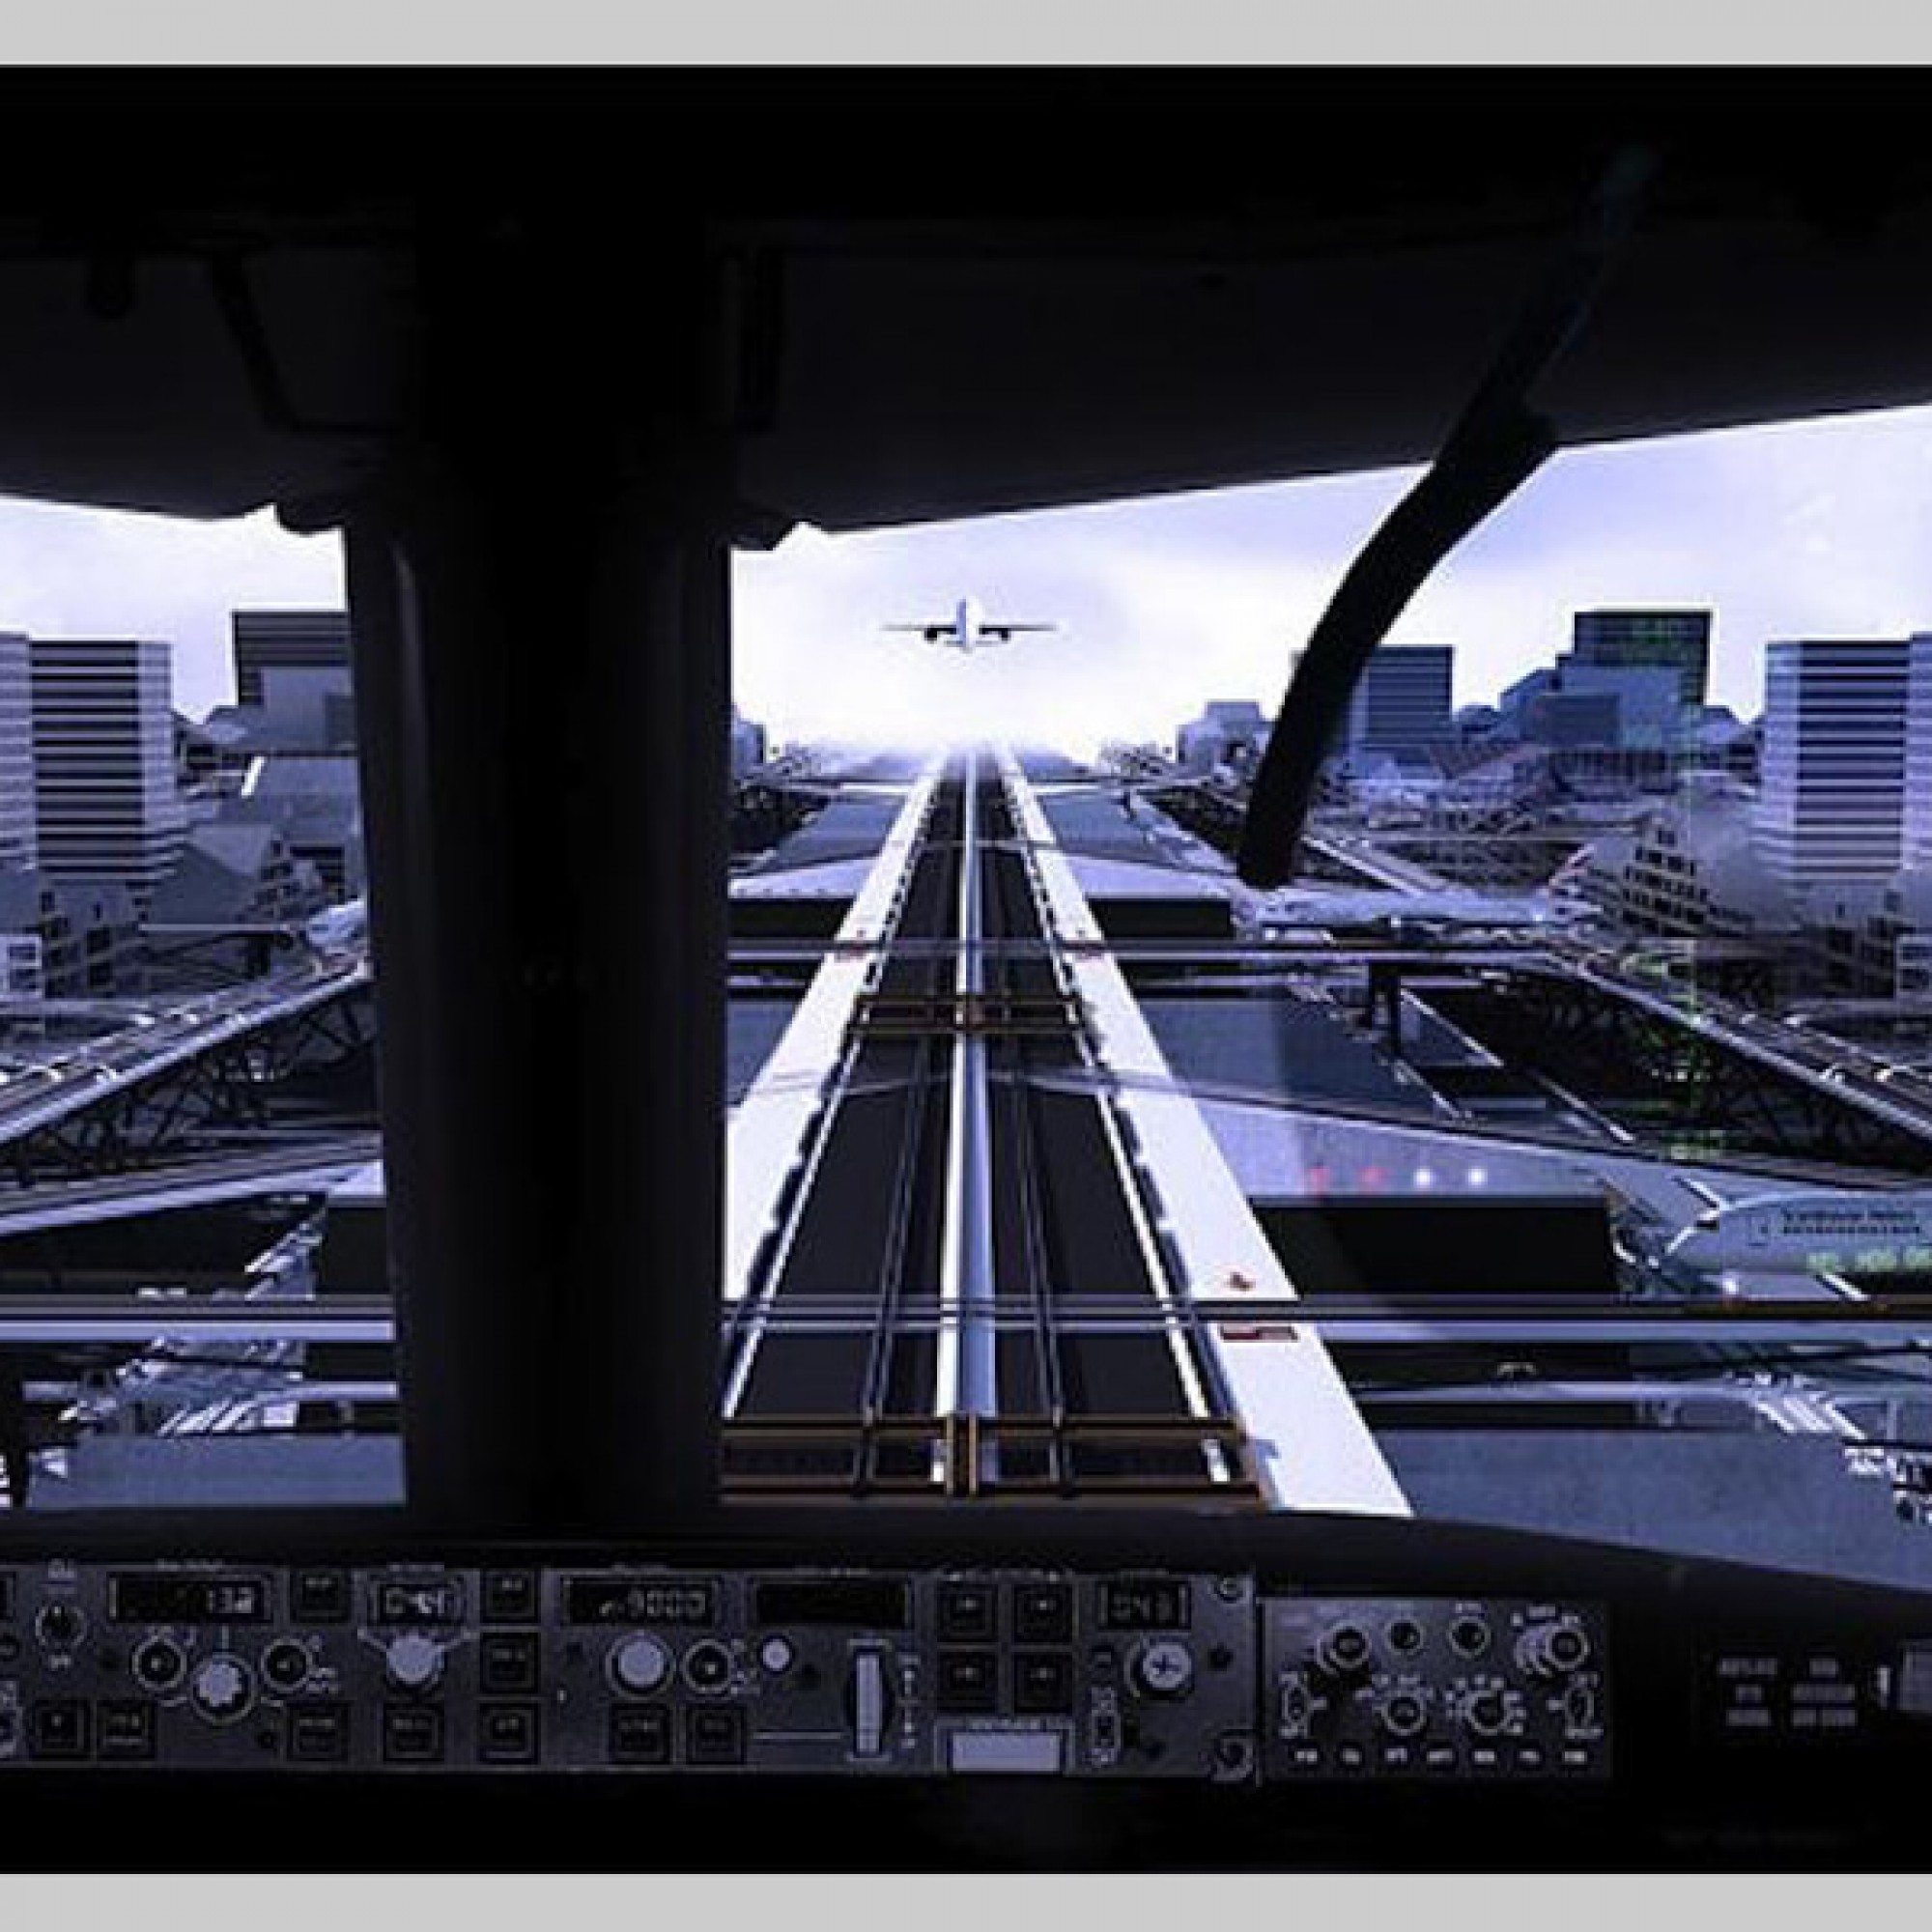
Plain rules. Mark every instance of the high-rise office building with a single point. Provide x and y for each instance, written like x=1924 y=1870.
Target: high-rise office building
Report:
x=294 y=682
x=1633 y=639
x=105 y=799
x=19 y=842
x=310 y=641
x=1402 y=701
x=1916 y=838
x=1831 y=800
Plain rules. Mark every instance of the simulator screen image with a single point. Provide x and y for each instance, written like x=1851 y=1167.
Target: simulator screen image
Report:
x=1083 y=1000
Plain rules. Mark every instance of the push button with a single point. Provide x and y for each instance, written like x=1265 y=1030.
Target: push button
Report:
x=509 y=1734
x=508 y=1663
x=320 y=1597
x=968 y=1613
x=713 y=1734
x=126 y=1731
x=510 y=1596
x=969 y=1681
x=57 y=1729
x=1042 y=1682
x=1043 y=1613
x=318 y=1733
x=640 y=1734
x=412 y=1734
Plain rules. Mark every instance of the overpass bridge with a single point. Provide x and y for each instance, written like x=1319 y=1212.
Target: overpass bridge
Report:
x=311 y=1164
x=114 y=1096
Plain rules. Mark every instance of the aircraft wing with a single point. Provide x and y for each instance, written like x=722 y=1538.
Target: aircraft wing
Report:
x=1004 y=633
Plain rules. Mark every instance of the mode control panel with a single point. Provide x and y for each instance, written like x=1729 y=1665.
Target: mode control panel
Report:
x=635 y=1668
x=1382 y=1688
x=602 y=1667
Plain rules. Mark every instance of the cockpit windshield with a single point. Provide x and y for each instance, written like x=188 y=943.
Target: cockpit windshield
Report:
x=1549 y=1151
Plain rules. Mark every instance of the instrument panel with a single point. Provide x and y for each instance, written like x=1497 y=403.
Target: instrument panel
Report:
x=1485 y=1688
x=408 y=1668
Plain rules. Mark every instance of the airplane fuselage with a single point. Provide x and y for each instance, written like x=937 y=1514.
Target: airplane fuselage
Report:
x=1812 y=1233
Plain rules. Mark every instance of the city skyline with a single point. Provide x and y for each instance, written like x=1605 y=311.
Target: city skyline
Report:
x=1799 y=529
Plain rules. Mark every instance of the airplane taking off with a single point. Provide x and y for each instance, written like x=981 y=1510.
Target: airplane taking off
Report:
x=968 y=630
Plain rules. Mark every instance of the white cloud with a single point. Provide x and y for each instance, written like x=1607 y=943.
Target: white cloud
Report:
x=75 y=573
x=1821 y=528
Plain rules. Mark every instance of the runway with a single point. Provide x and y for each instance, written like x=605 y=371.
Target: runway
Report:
x=959 y=1203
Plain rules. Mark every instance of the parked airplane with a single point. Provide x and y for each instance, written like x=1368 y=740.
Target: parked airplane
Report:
x=1296 y=907
x=1816 y=1232
x=968 y=628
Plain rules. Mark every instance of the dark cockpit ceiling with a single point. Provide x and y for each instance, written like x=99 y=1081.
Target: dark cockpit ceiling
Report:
x=934 y=295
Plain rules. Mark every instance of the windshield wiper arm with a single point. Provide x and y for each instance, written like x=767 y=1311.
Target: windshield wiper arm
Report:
x=1497 y=442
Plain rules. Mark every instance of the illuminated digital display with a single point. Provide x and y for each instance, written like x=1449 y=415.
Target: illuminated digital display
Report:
x=437 y=1600
x=638 y=1599
x=1145 y=1603
x=143 y=1597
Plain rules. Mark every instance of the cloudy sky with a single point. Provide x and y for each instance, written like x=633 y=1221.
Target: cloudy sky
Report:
x=1819 y=529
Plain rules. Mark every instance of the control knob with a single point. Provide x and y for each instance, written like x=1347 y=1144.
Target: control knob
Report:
x=1404 y=1712
x=707 y=1666
x=1343 y=1648
x=1554 y=1649
x=640 y=1664
x=222 y=1687
x=1164 y=1668
x=1486 y=1711
x=160 y=1663
x=287 y=1665
x=412 y=1662
x=1579 y=1707
x=60 y=1625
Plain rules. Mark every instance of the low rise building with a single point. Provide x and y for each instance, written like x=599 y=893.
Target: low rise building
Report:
x=67 y=939
x=1689 y=869
x=748 y=745
x=1227 y=730
x=315 y=802
x=235 y=873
